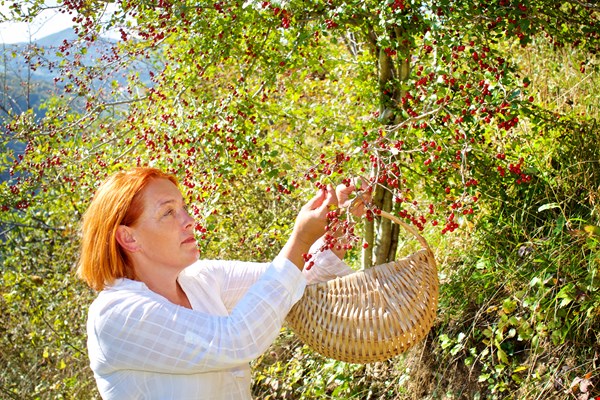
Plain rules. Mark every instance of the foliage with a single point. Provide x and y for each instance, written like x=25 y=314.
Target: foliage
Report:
x=444 y=106
x=446 y=92
x=42 y=318
x=528 y=285
x=290 y=370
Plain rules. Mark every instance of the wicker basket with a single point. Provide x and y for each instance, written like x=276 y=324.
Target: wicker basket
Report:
x=374 y=314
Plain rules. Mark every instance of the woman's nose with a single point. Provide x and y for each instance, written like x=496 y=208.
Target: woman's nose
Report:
x=188 y=220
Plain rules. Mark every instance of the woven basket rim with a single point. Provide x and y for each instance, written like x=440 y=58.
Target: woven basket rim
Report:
x=368 y=271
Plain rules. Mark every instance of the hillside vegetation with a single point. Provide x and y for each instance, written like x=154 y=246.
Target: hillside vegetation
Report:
x=476 y=122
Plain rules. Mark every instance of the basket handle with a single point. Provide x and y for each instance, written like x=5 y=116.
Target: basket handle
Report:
x=406 y=227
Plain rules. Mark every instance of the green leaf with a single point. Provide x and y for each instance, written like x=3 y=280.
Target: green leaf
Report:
x=566 y=294
x=509 y=306
x=502 y=355
x=521 y=368
x=548 y=206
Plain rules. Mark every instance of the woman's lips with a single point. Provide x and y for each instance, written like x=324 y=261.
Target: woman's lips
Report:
x=189 y=240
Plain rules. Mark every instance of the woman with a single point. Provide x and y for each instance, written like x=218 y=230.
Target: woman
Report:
x=167 y=326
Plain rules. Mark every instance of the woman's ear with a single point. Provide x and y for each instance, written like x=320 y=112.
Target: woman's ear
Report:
x=126 y=238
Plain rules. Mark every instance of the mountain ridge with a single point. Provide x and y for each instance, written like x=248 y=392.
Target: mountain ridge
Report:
x=53 y=39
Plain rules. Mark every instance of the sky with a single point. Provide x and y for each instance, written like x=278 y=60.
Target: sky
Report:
x=47 y=23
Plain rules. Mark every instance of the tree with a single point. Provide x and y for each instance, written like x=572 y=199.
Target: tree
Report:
x=447 y=95
x=251 y=102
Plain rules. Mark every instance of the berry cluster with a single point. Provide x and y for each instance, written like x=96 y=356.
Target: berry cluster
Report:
x=339 y=234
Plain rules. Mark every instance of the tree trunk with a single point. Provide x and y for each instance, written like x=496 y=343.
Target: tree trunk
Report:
x=384 y=231
x=380 y=233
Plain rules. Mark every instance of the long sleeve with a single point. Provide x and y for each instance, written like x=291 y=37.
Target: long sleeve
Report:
x=136 y=329
x=228 y=278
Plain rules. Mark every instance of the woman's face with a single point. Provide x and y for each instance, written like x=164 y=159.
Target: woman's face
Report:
x=164 y=231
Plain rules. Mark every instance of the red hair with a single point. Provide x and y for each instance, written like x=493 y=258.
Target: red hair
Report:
x=116 y=202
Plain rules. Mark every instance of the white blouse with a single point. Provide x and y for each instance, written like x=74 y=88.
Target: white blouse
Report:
x=141 y=346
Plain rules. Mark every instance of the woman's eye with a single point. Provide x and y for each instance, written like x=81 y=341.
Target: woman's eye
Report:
x=169 y=212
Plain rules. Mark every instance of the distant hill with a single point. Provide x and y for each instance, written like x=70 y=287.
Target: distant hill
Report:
x=56 y=39
x=46 y=53
x=28 y=72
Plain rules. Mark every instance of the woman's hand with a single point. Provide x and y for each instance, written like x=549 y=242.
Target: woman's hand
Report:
x=341 y=232
x=312 y=219
x=309 y=226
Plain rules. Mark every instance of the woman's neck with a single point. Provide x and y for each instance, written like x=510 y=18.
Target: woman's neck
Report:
x=168 y=287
